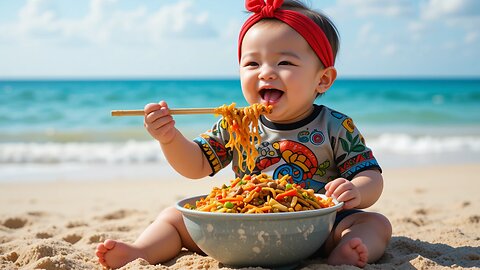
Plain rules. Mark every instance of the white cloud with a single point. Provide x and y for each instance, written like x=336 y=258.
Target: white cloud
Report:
x=106 y=23
x=36 y=19
x=179 y=21
x=448 y=9
x=460 y=16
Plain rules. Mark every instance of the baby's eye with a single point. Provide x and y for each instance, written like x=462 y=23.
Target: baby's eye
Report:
x=251 y=64
x=286 y=63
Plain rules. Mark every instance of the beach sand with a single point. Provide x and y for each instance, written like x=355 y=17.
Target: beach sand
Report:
x=435 y=212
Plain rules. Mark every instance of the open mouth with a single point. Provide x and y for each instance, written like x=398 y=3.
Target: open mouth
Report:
x=270 y=95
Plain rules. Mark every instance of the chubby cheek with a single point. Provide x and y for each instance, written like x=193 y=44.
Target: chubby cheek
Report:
x=249 y=89
x=250 y=96
x=291 y=80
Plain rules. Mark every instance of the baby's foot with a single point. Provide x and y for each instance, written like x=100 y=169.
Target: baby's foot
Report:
x=115 y=254
x=352 y=252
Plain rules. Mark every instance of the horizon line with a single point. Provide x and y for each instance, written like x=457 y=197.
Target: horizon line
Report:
x=229 y=78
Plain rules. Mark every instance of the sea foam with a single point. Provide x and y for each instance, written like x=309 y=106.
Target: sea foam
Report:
x=146 y=152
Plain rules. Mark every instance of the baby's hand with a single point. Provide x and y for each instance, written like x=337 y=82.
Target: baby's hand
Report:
x=159 y=123
x=344 y=191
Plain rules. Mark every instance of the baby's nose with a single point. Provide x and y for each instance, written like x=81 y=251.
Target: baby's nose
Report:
x=267 y=73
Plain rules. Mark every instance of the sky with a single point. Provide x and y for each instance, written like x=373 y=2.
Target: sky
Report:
x=198 y=38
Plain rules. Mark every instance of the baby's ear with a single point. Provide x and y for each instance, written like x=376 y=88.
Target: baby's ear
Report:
x=328 y=76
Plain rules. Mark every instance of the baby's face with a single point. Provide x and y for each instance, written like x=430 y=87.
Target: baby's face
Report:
x=279 y=68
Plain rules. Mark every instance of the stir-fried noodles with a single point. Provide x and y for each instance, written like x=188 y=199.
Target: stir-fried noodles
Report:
x=260 y=194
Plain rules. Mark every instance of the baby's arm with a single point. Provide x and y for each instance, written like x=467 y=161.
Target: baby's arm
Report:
x=183 y=155
x=361 y=192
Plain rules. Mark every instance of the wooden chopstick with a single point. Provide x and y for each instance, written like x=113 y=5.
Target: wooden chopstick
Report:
x=172 y=111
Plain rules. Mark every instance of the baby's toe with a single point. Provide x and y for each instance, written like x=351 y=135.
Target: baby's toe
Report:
x=109 y=243
x=101 y=248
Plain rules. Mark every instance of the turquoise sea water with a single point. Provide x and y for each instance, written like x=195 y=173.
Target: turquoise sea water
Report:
x=69 y=122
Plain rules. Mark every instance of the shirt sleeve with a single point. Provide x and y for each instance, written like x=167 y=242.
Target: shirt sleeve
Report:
x=351 y=153
x=212 y=143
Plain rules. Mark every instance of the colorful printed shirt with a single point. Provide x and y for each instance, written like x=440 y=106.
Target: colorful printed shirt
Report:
x=322 y=147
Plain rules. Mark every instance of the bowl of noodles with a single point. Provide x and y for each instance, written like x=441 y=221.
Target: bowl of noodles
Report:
x=258 y=221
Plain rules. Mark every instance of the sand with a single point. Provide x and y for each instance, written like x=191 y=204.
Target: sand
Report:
x=435 y=213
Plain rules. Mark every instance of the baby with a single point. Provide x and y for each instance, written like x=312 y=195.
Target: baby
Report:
x=286 y=54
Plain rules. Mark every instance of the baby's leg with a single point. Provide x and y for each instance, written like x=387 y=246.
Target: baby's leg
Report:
x=161 y=241
x=359 y=239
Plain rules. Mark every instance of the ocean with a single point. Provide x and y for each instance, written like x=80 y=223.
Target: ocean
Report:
x=57 y=127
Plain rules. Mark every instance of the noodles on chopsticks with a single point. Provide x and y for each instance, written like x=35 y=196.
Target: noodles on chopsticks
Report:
x=242 y=126
x=260 y=194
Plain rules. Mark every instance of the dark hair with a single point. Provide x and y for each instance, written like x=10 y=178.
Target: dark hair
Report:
x=320 y=19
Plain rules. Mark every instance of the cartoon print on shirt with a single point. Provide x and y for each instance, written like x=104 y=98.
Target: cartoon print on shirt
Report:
x=300 y=163
x=317 y=137
x=303 y=136
x=215 y=152
x=267 y=156
x=322 y=168
x=351 y=144
x=337 y=114
x=348 y=125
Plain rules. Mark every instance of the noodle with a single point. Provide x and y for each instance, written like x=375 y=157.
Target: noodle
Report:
x=260 y=194
x=242 y=125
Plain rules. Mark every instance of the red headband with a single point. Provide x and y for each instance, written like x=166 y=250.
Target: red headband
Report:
x=307 y=28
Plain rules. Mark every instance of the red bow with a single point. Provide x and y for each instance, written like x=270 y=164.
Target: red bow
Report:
x=266 y=9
